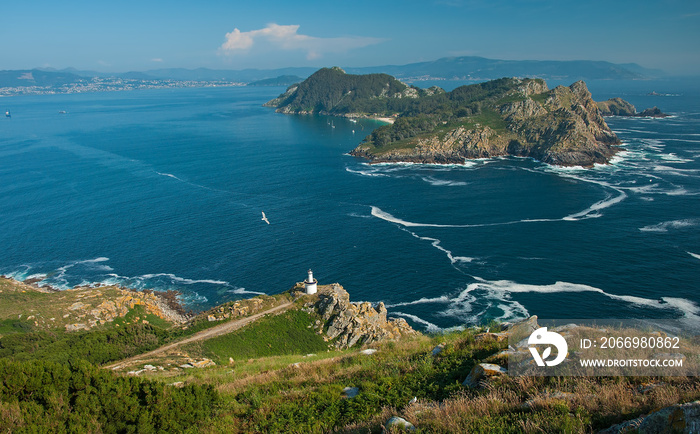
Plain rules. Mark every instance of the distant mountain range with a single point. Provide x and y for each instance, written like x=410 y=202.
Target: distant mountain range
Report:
x=448 y=68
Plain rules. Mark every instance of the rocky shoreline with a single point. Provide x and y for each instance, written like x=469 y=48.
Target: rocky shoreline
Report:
x=84 y=307
x=341 y=322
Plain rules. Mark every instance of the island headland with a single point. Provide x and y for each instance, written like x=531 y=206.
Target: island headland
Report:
x=504 y=117
x=620 y=107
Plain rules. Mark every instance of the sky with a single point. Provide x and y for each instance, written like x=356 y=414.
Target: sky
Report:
x=128 y=35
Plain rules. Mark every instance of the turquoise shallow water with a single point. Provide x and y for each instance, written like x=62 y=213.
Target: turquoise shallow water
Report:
x=164 y=189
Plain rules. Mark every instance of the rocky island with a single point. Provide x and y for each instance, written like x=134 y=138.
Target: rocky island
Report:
x=504 y=117
x=620 y=107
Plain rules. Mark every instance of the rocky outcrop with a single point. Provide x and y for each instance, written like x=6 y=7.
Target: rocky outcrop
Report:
x=237 y=309
x=483 y=372
x=653 y=112
x=620 y=107
x=82 y=308
x=350 y=324
x=616 y=107
x=679 y=418
x=398 y=423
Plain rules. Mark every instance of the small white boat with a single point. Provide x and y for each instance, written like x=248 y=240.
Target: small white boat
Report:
x=7 y=114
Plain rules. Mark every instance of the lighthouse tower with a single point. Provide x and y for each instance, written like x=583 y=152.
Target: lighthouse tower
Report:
x=310 y=283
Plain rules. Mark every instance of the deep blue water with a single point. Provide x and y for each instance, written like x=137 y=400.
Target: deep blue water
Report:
x=164 y=189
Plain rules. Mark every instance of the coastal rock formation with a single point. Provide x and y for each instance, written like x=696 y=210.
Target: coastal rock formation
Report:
x=82 y=308
x=560 y=127
x=620 y=107
x=653 y=112
x=679 y=418
x=356 y=323
x=616 y=107
x=504 y=117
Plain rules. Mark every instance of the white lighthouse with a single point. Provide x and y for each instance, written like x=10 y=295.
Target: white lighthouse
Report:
x=310 y=283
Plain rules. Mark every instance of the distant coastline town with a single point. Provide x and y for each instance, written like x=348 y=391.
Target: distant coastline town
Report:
x=114 y=84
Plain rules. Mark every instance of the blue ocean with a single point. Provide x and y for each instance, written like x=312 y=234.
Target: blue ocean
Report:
x=165 y=189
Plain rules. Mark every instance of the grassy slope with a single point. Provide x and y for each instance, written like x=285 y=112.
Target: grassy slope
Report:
x=287 y=333
x=33 y=324
x=274 y=385
x=300 y=393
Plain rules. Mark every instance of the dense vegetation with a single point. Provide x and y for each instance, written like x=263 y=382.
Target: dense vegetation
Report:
x=420 y=111
x=459 y=107
x=274 y=385
x=276 y=395
x=330 y=90
x=124 y=338
x=98 y=346
x=50 y=397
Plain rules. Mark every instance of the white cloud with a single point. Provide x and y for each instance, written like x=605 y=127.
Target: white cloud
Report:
x=286 y=37
x=156 y=59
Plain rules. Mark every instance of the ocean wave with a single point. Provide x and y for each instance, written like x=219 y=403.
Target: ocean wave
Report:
x=487 y=294
x=373 y=173
x=453 y=259
x=443 y=182
x=181 y=280
x=441 y=299
x=170 y=175
x=467 y=164
x=377 y=212
x=242 y=291
x=593 y=211
x=676 y=171
x=672 y=224
x=95 y=273
x=430 y=327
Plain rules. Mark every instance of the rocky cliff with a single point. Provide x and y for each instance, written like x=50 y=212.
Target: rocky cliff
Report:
x=616 y=107
x=350 y=324
x=562 y=126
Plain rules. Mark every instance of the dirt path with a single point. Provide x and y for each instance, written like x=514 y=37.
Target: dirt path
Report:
x=201 y=336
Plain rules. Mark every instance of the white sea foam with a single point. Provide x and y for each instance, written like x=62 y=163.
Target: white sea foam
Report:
x=182 y=280
x=170 y=175
x=442 y=182
x=428 y=325
x=436 y=243
x=498 y=293
x=59 y=280
x=673 y=158
x=593 y=210
x=362 y=216
x=675 y=171
x=377 y=212
x=373 y=173
x=241 y=291
x=673 y=224
x=694 y=255
x=441 y=299
x=466 y=164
